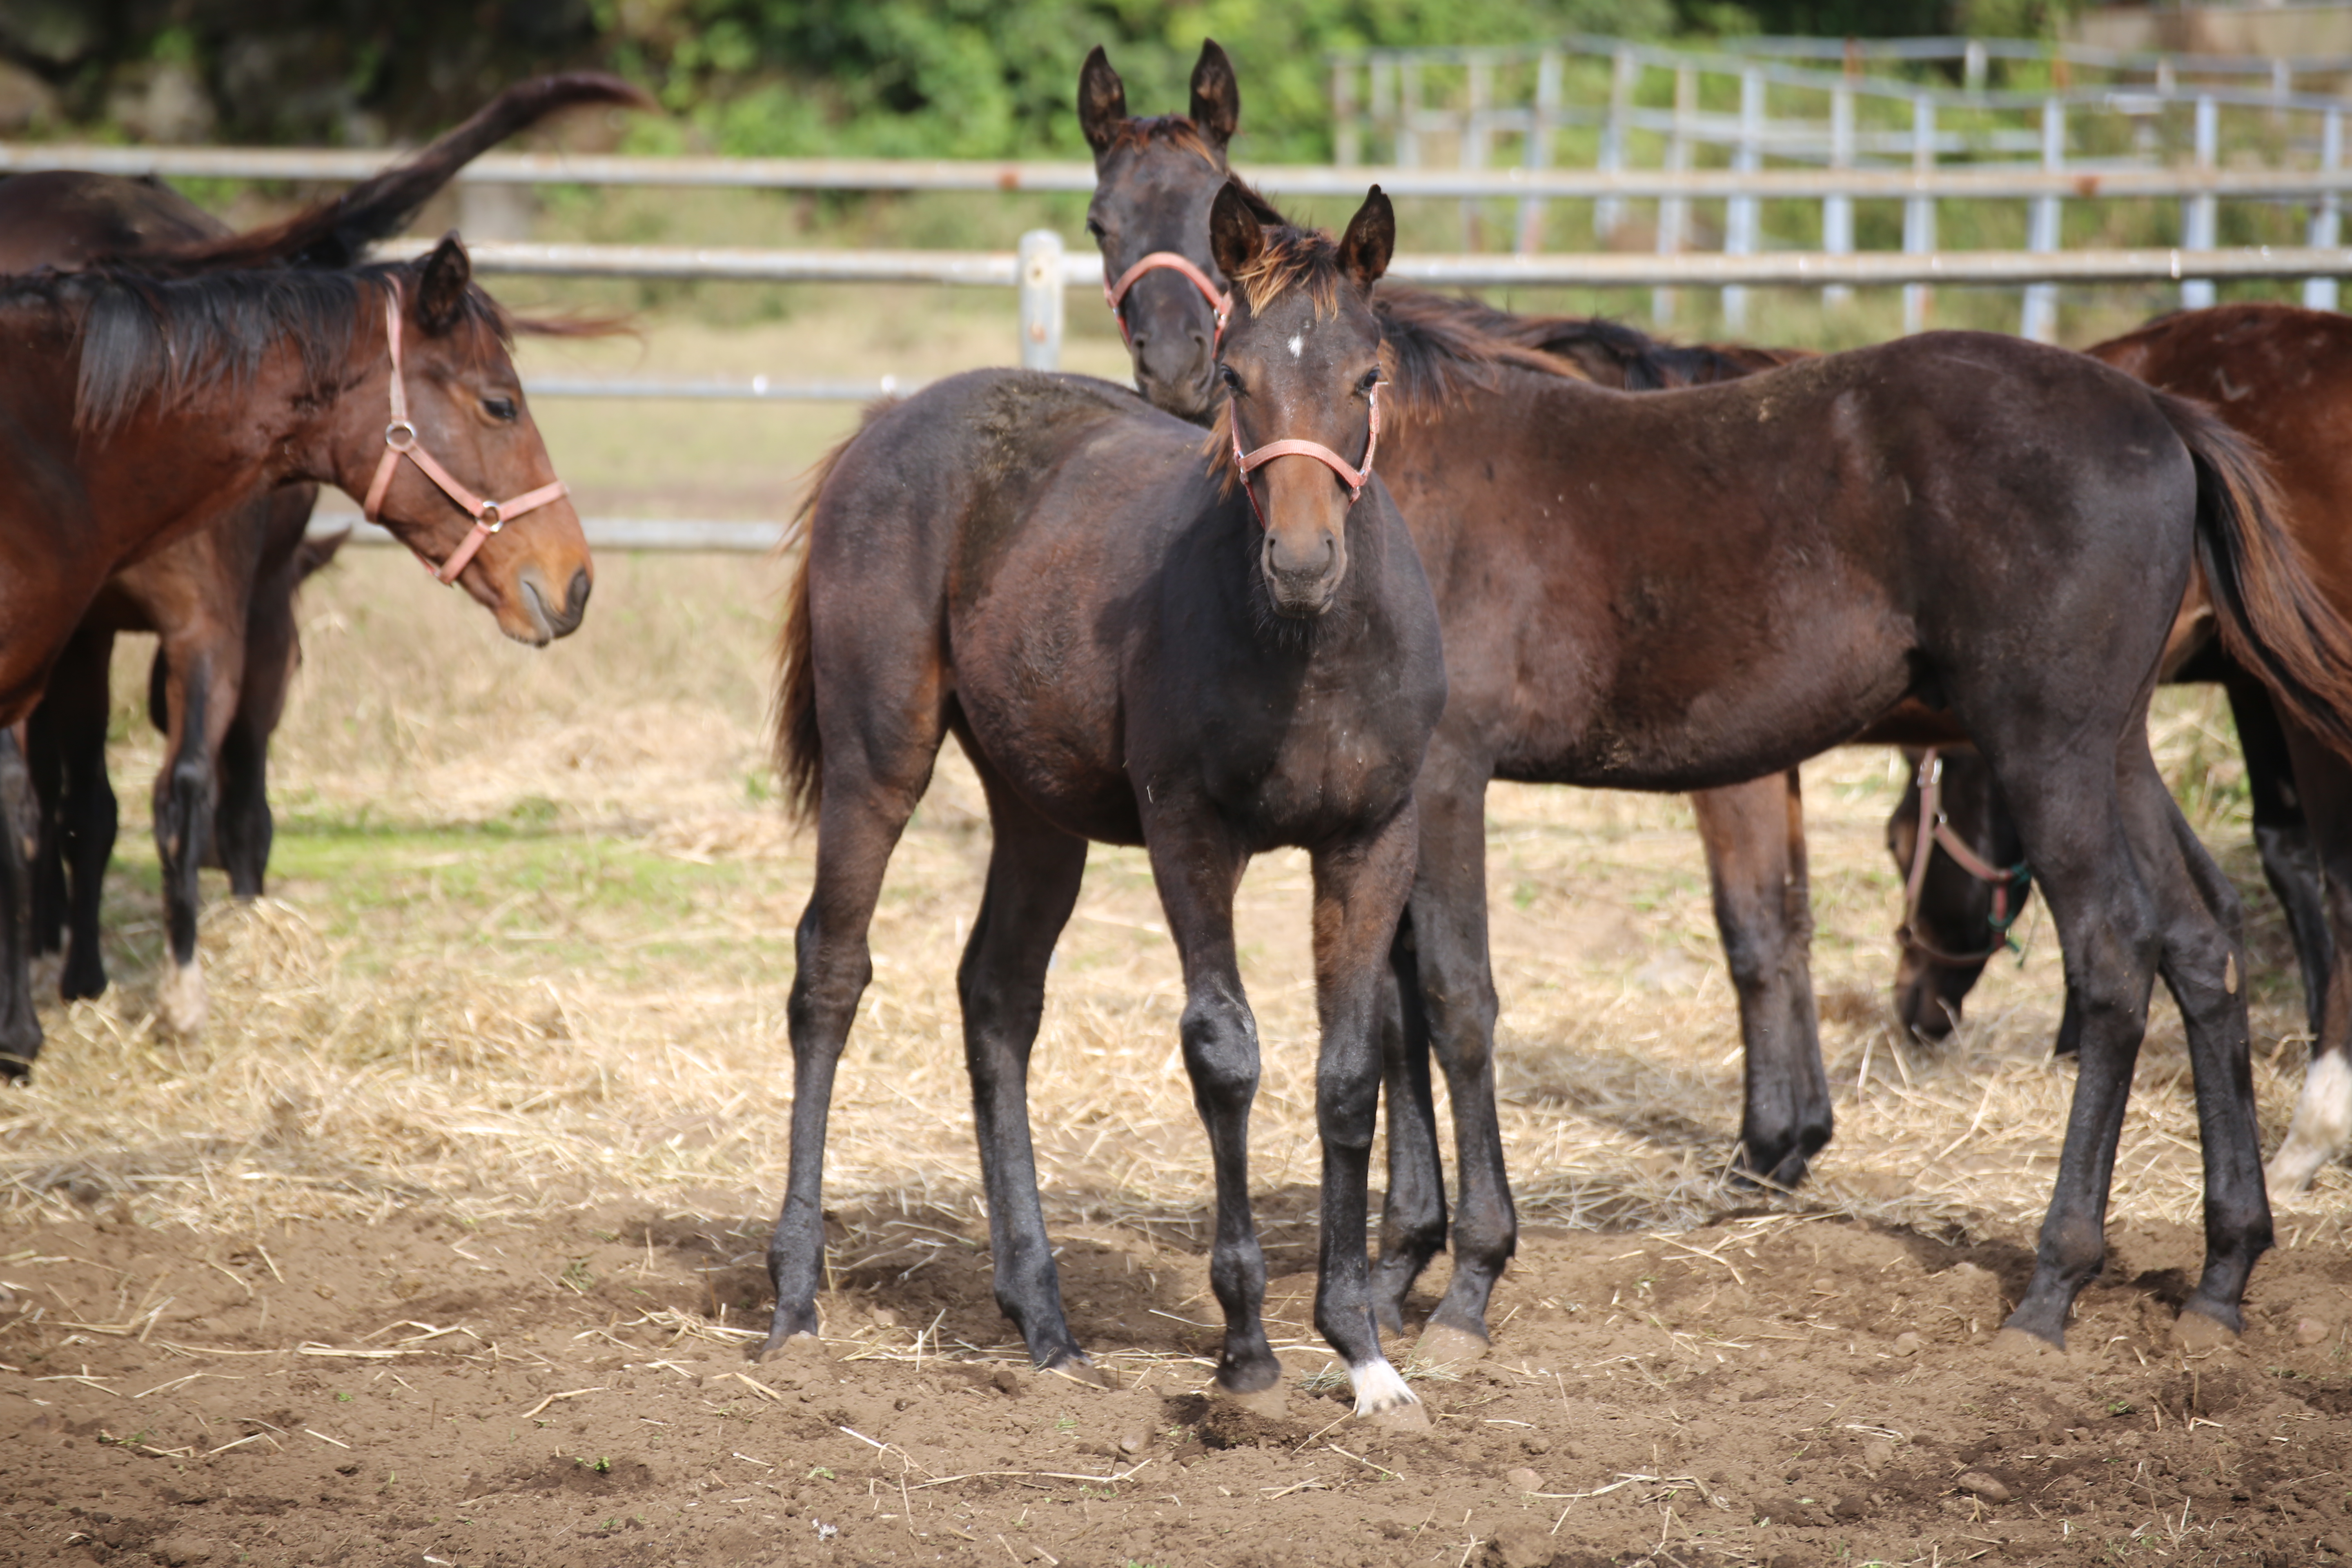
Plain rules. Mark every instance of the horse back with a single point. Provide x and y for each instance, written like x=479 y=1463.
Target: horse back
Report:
x=65 y=218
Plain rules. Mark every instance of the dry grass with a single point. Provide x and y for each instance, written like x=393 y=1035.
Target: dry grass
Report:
x=529 y=949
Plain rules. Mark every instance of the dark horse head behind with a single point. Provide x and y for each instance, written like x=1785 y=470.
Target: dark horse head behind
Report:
x=1155 y=176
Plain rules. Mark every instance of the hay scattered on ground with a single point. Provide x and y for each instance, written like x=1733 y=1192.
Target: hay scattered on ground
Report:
x=396 y=1029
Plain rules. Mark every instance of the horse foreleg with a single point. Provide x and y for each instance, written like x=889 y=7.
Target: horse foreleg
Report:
x=1360 y=890
x=2322 y=1111
x=83 y=814
x=1034 y=873
x=1197 y=866
x=20 y=1029
x=1755 y=839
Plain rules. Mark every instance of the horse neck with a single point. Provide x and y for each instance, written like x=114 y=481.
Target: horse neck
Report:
x=210 y=447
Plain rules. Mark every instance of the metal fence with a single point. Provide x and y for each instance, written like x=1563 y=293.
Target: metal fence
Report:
x=1043 y=268
x=1676 y=108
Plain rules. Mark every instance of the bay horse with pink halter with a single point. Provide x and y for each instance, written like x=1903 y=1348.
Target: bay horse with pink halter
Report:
x=219 y=599
x=1682 y=590
x=141 y=399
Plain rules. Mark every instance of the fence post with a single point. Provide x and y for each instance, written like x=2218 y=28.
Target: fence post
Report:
x=1477 y=125
x=1837 y=212
x=1740 y=229
x=2319 y=293
x=2042 y=228
x=1041 y=299
x=1609 y=211
x=1972 y=68
x=1348 y=131
x=1919 y=213
x=1408 y=136
x=1538 y=152
x=2197 y=213
x=1382 y=89
x=1674 y=211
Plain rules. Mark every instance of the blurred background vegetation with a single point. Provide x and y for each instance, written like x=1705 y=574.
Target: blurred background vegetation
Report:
x=903 y=77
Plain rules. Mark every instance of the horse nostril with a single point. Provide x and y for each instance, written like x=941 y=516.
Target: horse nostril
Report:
x=576 y=598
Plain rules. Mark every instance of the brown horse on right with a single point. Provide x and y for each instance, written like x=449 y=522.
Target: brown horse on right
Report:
x=1688 y=589
x=2282 y=377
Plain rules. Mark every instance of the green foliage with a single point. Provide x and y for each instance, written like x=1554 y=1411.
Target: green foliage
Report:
x=973 y=79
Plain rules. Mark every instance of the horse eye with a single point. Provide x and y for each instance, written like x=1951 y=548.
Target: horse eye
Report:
x=1372 y=378
x=1233 y=383
x=501 y=408
x=1093 y=227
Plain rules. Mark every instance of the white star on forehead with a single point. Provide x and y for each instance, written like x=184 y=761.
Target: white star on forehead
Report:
x=1298 y=345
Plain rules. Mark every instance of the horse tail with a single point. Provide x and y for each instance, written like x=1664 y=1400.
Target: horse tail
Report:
x=336 y=233
x=2272 y=615
x=799 y=748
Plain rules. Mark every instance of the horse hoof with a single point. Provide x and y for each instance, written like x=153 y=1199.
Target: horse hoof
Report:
x=182 y=1001
x=1266 y=1404
x=2021 y=1344
x=1078 y=1368
x=1441 y=1344
x=802 y=1346
x=1382 y=1397
x=2197 y=1332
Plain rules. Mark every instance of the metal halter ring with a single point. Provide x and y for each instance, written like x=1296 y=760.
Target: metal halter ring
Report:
x=488 y=517
x=400 y=435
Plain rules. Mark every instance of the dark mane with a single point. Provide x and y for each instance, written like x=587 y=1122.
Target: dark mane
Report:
x=1142 y=132
x=1436 y=348
x=1640 y=363
x=142 y=338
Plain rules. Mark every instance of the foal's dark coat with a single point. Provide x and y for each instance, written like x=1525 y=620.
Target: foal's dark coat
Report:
x=1686 y=589
x=1050 y=570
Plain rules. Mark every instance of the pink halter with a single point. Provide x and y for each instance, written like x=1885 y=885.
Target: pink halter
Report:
x=400 y=441
x=1355 y=479
x=1115 y=294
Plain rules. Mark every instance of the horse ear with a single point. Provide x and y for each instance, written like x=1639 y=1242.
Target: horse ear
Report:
x=1235 y=236
x=441 y=285
x=1102 y=101
x=1216 y=95
x=1370 y=240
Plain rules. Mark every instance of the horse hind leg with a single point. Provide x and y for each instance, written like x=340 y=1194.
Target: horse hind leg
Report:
x=2068 y=811
x=1413 y=1213
x=2204 y=967
x=2322 y=1124
x=878 y=759
x=1755 y=839
x=1034 y=873
x=201 y=700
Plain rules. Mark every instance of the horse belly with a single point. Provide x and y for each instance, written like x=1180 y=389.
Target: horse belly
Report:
x=1037 y=705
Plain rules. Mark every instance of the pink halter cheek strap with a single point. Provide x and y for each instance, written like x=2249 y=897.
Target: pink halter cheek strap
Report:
x=1115 y=294
x=400 y=441
x=1355 y=479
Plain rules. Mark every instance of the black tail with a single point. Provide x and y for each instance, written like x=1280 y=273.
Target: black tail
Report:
x=2272 y=615
x=336 y=233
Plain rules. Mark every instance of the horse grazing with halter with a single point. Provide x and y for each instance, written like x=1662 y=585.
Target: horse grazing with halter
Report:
x=219 y=599
x=142 y=399
x=1136 y=640
x=1688 y=589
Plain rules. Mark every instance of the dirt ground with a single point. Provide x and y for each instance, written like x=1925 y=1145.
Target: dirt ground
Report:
x=443 y=1245
x=1768 y=1389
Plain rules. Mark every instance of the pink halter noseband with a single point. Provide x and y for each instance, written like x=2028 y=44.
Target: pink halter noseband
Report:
x=400 y=441
x=1115 y=294
x=1355 y=479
